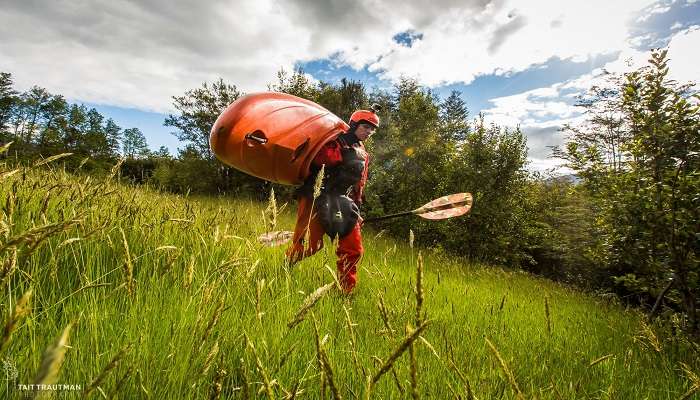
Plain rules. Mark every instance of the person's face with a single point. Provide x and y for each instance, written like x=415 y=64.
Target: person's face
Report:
x=364 y=131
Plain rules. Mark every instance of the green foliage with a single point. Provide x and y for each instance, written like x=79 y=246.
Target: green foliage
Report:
x=8 y=98
x=134 y=144
x=198 y=110
x=646 y=192
x=41 y=124
x=298 y=84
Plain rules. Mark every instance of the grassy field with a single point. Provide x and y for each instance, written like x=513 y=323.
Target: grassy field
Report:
x=129 y=293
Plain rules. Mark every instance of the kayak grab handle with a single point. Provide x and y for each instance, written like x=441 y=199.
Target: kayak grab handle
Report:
x=257 y=136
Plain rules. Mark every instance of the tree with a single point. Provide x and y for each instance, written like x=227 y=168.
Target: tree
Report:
x=343 y=99
x=298 y=84
x=199 y=109
x=73 y=133
x=50 y=139
x=95 y=138
x=647 y=192
x=8 y=99
x=27 y=116
x=454 y=119
x=113 y=134
x=134 y=143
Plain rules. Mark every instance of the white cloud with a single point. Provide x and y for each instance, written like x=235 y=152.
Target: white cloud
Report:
x=683 y=55
x=655 y=9
x=458 y=46
x=541 y=112
x=139 y=54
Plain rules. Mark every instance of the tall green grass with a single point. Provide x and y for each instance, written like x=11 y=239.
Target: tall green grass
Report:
x=172 y=297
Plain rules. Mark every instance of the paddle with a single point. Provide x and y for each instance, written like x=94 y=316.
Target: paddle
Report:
x=445 y=207
x=449 y=206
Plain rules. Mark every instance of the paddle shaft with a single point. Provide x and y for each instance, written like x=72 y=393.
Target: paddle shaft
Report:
x=383 y=217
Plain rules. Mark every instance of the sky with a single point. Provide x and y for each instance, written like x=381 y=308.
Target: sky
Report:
x=519 y=63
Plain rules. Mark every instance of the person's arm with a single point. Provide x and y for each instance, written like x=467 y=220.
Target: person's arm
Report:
x=358 y=195
x=329 y=155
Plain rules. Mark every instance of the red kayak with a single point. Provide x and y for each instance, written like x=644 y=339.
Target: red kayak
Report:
x=273 y=136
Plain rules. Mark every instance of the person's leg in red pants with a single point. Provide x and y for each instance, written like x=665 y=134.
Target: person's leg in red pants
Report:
x=349 y=253
x=305 y=220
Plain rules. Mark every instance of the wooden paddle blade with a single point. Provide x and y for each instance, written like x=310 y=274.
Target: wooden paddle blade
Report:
x=276 y=238
x=445 y=207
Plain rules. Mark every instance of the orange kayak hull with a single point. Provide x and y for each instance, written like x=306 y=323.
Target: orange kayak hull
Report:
x=273 y=136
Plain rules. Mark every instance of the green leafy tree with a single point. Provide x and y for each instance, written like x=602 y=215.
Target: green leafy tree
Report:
x=297 y=84
x=95 y=138
x=454 y=119
x=134 y=143
x=50 y=140
x=199 y=108
x=73 y=133
x=8 y=100
x=491 y=165
x=113 y=133
x=342 y=99
x=26 y=118
x=647 y=193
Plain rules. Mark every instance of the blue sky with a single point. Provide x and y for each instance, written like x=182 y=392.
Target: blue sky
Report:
x=518 y=63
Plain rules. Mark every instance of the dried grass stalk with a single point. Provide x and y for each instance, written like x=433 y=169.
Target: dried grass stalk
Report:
x=309 y=302
x=506 y=371
x=107 y=368
x=259 y=286
x=465 y=381
x=210 y=358
x=414 y=370
x=218 y=384
x=261 y=370
x=547 y=315
x=128 y=265
x=419 y=289
x=213 y=320
x=694 y=382
x=189 y=273
x=410 y=338
x=22 y=309
x=599 y=360
x=385 y=314
x=325 y=363
x=271 y=211
x=353 y=341
x=52 y=361
x=8 y=266
x=51 y=159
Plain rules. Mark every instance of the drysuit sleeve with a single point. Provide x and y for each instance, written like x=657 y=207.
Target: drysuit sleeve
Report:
x=358 y=195
x=329 y=155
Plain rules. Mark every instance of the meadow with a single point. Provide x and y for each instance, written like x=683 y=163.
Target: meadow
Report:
x=126 y=292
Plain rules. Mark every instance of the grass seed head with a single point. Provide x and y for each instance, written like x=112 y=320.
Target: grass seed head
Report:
x=22 y=309
x=506 y=370
x=308 y=303
x=52 y=361
x=319 y=181
x=110 y=366
x=271 y=211
x=210 y=358
x=400 y=349
x=9 y=266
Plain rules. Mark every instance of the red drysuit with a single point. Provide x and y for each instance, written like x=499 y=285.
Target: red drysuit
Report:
x=349 y=249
